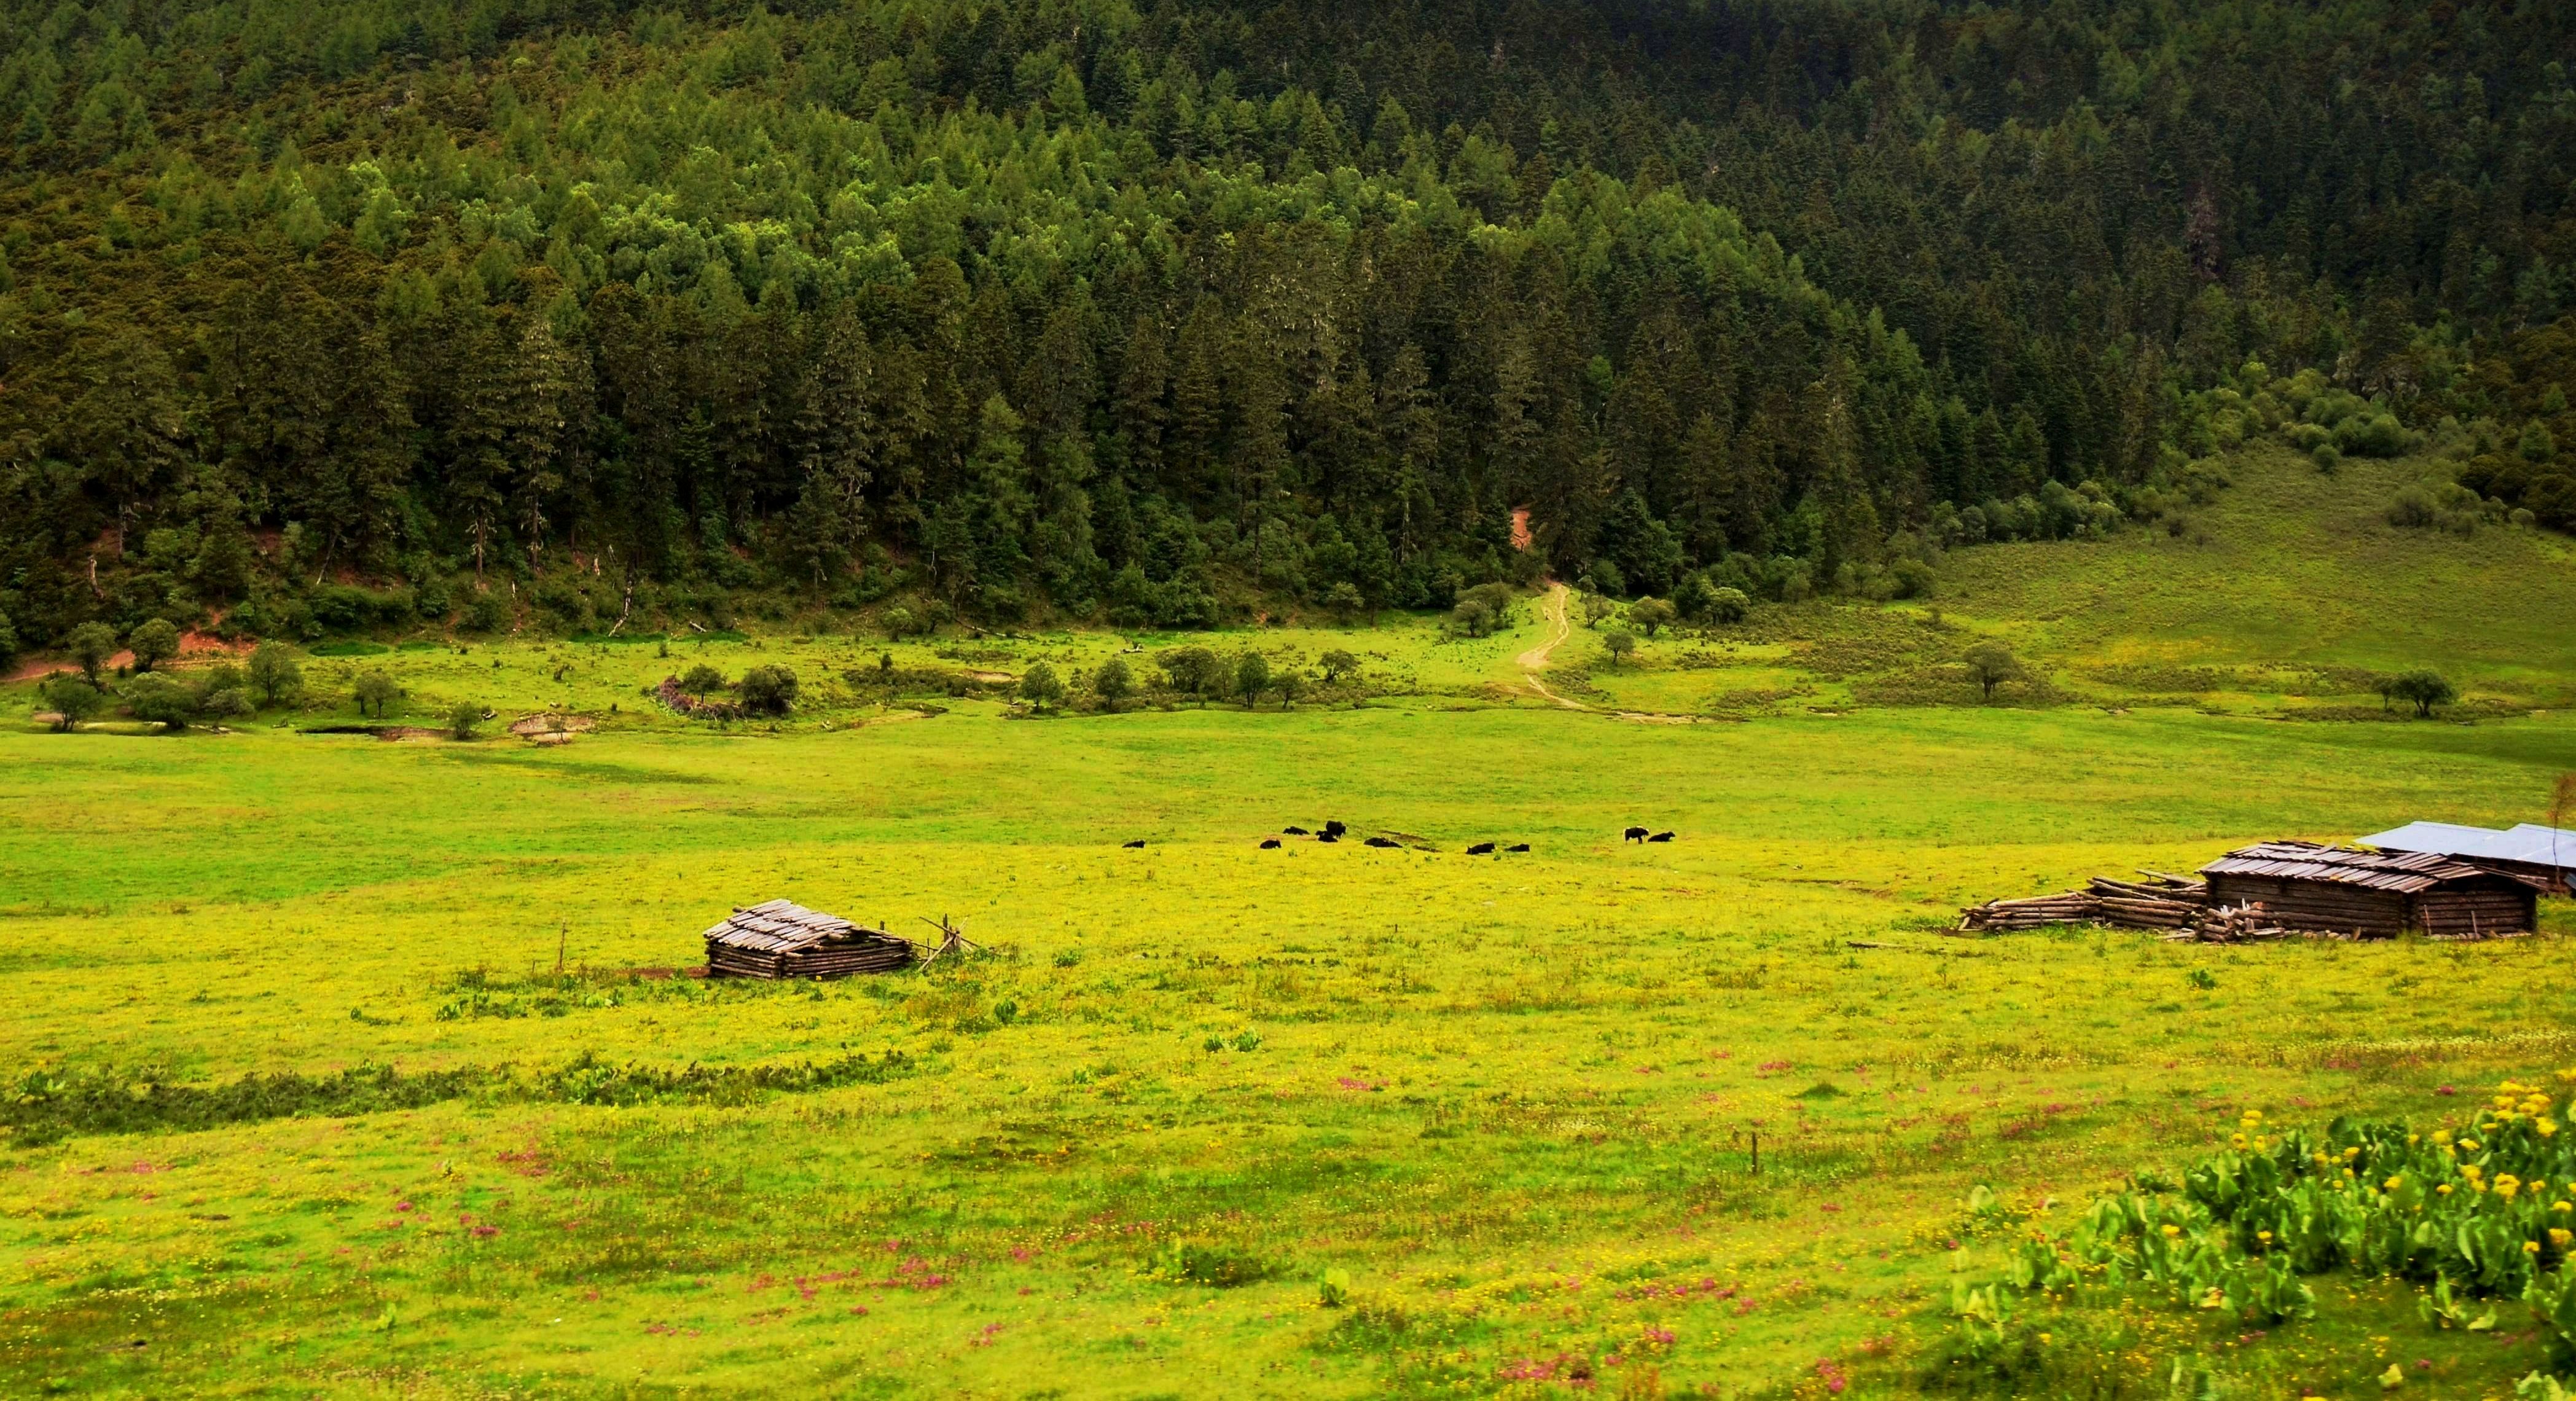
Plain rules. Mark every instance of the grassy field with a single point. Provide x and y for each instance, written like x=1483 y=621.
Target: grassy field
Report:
x=1508 y=1107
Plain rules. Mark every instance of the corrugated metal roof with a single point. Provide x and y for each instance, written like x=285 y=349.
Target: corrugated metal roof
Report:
x=2406 y=874
x=2529 y=842
x=783 y=927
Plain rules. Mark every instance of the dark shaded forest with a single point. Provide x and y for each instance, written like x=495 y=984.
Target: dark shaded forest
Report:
x=346 y=314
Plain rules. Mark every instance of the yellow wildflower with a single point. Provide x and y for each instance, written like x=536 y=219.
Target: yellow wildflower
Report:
x=2559 y=1236
x=2444 y=1189
x=2531 y=1247
x=2392 y=1184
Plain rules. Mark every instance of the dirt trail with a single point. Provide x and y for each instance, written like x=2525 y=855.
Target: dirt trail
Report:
x=1534 y=661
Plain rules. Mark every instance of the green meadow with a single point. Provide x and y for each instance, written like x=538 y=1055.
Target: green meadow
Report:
x=1205 y=1120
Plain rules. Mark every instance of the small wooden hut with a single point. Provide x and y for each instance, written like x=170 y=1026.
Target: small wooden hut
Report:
x=783 y=940
x=2371 y=894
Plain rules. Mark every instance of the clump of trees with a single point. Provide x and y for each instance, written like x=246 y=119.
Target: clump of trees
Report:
x=1483 y=610
x=2422 y=688
x=767 y=690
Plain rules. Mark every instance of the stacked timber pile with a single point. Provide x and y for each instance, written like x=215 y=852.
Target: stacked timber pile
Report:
x=2159 y=902
x=783 y=940
x=2065 y=907
x=2230 y=924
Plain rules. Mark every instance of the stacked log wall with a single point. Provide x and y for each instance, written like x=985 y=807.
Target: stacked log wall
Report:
x=2469 y=910
x=2298 y=904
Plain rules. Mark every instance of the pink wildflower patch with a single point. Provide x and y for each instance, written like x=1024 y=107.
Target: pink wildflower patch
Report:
x=1831 y=1375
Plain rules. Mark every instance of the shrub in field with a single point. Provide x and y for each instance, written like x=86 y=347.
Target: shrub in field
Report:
x=1650 y=615
x=1191 y=671
x=1990 y=665
x=703 y=680
x=1041 y=687
x=70 y=698
x=1214 y=1266
x=153 y=696
x=1112 y=683
x=462 y=719
x=768 y=690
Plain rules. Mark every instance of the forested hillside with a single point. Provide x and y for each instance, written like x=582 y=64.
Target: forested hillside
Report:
x=347 y=313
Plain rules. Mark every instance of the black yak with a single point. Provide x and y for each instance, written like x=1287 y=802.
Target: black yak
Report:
x=1481 y=849
x=1135 y=845
x=1295 y=832
x=1335 y=829
x=1379 y=841
x=1517 y=846
x=1327 y=837
x=1661 y=837
x=1269 y=843
x=1634 y=834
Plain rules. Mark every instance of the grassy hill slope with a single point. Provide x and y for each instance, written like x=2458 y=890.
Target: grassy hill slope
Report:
x=2287 y=595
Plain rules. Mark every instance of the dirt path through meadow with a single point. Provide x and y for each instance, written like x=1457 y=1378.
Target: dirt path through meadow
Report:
x=1534 y=661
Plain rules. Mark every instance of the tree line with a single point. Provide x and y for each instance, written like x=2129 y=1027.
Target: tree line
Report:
x=339 y=315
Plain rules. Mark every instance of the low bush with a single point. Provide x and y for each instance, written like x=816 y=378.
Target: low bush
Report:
x=46 y=1106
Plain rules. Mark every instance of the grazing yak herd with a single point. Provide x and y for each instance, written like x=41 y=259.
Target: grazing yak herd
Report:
x=1336 y=830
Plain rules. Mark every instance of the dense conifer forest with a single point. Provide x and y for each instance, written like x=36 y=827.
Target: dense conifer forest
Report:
x=324 y=315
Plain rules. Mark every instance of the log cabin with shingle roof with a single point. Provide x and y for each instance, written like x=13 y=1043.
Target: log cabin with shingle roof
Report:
x=784 y=940
x=2372 y=894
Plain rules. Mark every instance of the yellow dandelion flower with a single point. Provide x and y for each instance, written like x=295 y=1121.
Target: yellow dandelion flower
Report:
x=2559 y=1236
x=2531 y=1247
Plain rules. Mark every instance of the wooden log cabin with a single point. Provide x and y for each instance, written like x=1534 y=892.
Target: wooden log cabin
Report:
x=2374 y=895
x=783 y=940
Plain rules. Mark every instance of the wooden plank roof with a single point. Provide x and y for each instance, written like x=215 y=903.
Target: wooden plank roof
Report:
x=2406 y=873
x=780 y=926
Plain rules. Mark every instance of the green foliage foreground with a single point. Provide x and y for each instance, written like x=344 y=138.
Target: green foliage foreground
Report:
x=2475 y=1213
